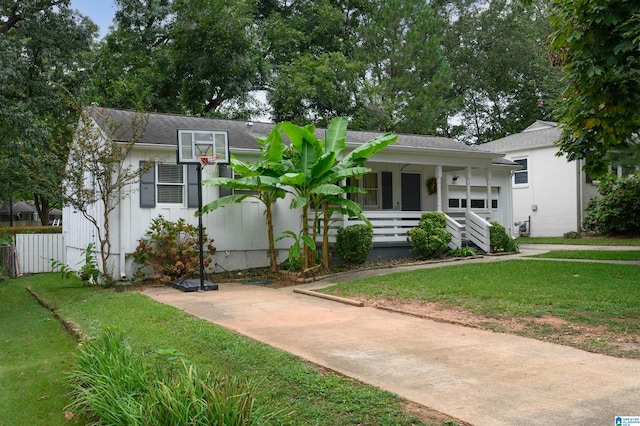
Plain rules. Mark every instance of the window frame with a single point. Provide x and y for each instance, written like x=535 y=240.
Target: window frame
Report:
x=358 y=198
x=525 y=171
x=182 y=185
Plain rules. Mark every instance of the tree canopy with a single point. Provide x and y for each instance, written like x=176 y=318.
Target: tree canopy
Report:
x=598 y=43
x=503 y=77
x=44 y=48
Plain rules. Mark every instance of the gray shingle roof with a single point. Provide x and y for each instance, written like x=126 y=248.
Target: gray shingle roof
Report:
x=539 y=134
x=162 y=129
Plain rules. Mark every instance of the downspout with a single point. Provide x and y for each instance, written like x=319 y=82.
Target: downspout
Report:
x=580 y=197
x=122 y=257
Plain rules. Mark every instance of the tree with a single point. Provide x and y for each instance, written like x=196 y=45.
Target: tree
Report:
x=96 y=176
x=379 y=64
x=503 y=78
x=261 y=180
x=311 y=74
x=44 y=49
x=407 y=78
x=133 y=67
x=598 y=44
x=191 y=57
x=316 y=88
x=216 y=62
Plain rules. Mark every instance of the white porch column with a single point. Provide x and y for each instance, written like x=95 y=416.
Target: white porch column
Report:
x=439 y=187
x=487 y=173
x=468 y=182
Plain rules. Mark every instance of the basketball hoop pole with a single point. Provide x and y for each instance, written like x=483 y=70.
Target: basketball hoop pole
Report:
x=200 y=226
x=198 y=147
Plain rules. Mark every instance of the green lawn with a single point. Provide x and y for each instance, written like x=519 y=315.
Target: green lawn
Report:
x=286 y=382
x=35 y=354
x=587 y=241
x=591 y=254
x=589 y=293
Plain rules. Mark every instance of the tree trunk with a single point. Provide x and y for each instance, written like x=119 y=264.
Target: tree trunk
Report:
x=304 y=261
x=326 y=258
x=42 y=206
x=273 y=261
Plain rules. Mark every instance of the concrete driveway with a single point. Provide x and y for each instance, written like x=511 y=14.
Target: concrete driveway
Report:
x=481 y=377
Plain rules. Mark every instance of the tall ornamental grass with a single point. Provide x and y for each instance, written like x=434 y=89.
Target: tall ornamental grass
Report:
x=113 y=385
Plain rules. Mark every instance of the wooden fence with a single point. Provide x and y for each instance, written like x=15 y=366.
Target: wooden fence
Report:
x=35 y=251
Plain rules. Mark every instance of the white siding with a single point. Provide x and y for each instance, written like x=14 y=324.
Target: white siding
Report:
x=239 y=230
x=550 y=196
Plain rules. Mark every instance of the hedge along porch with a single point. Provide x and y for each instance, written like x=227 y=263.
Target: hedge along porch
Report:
x=397 y=189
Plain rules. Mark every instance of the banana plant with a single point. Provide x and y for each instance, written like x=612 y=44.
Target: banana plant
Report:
x=260 y=180
x=315 y=171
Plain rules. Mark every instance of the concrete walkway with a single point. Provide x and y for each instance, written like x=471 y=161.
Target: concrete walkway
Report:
x=481 y=377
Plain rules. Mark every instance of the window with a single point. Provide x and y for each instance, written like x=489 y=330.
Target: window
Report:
x=456 y=203
x=476 y=203
x=170 y=183
x=370 y=184
x=521 y=176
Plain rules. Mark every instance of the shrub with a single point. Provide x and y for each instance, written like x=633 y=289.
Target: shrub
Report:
x=429 y=238
x=112 y=384
x=618 y=211
x=353 y=243
x=463 y=252
x=171 y=250
x=498 y=237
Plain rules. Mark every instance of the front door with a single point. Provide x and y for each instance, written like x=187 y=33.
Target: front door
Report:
x=410 y=191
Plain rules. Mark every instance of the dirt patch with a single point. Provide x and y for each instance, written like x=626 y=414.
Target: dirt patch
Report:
x=548 y=328
x=430 y=416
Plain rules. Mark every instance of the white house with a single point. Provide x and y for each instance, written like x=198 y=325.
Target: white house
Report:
x=549 y=193
x=413 y=175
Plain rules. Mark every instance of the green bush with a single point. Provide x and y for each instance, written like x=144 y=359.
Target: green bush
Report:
x=171 y=250
x=618 y=210
x=430 y=238
x=353 y=243
x=498 y=237
x=112 y=384
x=30 y=230
x=462 y=252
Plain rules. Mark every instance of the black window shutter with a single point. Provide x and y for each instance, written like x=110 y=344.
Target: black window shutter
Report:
x=192 y=186
x=148 y=187
x=224 y=171
x=387 y=191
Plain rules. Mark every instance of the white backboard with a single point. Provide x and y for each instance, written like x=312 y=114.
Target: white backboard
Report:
x=192 y=143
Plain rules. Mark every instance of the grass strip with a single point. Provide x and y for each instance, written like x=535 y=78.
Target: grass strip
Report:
x=627 y=255
x=285 y=381
x=588 y=293
x=35 y=354
x=583 y=241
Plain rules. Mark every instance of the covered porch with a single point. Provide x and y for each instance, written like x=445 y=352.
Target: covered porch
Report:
x=471 y=192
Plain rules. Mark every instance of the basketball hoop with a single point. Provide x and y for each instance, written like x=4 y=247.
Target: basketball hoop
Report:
x=208 y=160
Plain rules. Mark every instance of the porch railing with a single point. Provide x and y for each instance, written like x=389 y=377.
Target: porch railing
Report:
x=455 y=229
x=477 y=230
x=391 y=226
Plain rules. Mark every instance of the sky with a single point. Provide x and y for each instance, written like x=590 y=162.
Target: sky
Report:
x=100 y=11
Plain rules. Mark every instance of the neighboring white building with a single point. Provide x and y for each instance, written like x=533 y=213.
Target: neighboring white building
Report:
x=549 y=193
x=413 y=175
